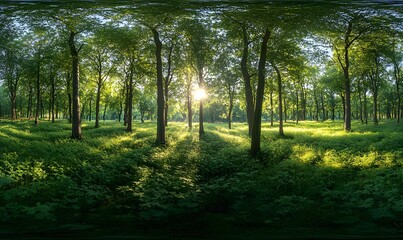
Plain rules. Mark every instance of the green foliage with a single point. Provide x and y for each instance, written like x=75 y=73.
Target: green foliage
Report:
x=316 y=176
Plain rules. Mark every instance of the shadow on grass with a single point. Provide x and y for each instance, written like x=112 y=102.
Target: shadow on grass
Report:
x=210 y=184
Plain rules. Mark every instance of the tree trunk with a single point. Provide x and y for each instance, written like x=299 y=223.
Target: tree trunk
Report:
x=29 y=105
x=316 y=105
x=271 y=108
x=76 y=126
x=285 y=107
x=90 y=113
x=83 y=110
x=280 y=105
x=257 y=118
x=323 y=107
x=360 y=99
x=142 y=113
x=129 y=116
x=69 y=97
x=126 y=109
x=53 y=95
x=297 y=105
x=166 y=105
x=13 y=108
x=189 y=100
x=38 y=93
x=246 y=78
x=97 y=101
x=303 y=102
x=57 y=109
x=343 y=101
x=374 y=77
x=375 y=116
x=104 y=115
x=231 y=106
x=345 y=64
x=201 y=83
x=160 y=89
x=396 y=73
x=167 y=82
x=365 y=107
x=347 y=89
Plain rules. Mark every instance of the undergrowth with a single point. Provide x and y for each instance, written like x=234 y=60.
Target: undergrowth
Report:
x=317 y=177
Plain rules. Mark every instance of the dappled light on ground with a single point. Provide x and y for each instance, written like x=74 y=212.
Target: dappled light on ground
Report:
x=317 y=176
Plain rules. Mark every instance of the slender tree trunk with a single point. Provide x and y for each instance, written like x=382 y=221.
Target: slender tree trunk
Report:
x=76 y=120
x=129 y=116
x=303 y=102
x=271 y=108
x=345 y=64
x=83 y=110
x=323 y=107
x=347 y=114
x=160 y=89
x=189 y=100
x=360 y=99
x=50 y=108
x=285 y=107
x=396 y=71
x=333 y=113
x=375 y=116
x=167 y=82
x=166 y=105
x=374 y=77
x=53 y=95
x=126 y=110
x=120 y=111
x=365 y=107
x=297 y=105
x=38 y=94
x=257 y=118
x=97 y=101
x=316 y=105
x=343 y=101
x=69 y=97
x=201 y=85
x=57 y=109
x=246 y=77
x=104 y=115
x=29 y=107
x=280 y=105
x=230 y=107
x=90 y=109
x=13 y=108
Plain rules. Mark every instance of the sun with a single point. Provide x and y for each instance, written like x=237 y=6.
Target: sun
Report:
x=199 y=94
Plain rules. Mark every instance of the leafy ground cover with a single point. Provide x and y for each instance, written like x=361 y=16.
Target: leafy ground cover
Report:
x=317 y=182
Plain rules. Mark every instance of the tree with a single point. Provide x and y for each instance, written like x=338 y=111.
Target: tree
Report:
x=74 y=51
x=226 y=80
x=160 y=87
x=355 y=25
x=12 y=72
x=197 y=35
x=257 y=118
x=395 y=56
x=102 y=64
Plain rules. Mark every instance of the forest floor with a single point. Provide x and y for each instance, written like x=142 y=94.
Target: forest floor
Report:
x=317 y=182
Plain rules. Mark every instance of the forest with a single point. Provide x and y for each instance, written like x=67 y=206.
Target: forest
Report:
x=201 y=119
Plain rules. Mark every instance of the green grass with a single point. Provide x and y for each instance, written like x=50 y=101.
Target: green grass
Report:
x=318 y=181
